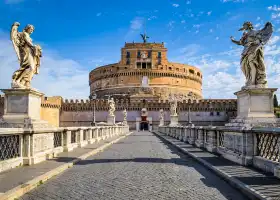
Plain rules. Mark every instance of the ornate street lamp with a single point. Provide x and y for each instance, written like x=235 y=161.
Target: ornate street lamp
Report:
x=93 y=97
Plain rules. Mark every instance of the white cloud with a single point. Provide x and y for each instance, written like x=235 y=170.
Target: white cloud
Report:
x=175 y=5
x=273 y=40
x=98 y=14
x=183 y=21
x=170 y=25
x=274 y=8
x=276 y=11
x=258 y=18
x=188 y=2
x=258 y=25
x=136 y=23
x=13 y=1
x=211 y=30
x=151 y=18
x=209 y=13
x=190 y=50
x=57 y=77
x=217 y=38
x=275 y=15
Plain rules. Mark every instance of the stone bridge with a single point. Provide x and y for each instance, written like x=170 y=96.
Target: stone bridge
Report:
x=111 y=162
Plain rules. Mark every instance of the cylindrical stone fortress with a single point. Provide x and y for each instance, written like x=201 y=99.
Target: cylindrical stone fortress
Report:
x=144 y=72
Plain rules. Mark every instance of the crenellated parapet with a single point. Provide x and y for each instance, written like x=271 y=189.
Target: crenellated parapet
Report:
x=121 y=104
x=51 y=102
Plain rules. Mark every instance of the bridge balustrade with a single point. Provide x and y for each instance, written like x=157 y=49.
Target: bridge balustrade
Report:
x=19 y=146
x=259 y=147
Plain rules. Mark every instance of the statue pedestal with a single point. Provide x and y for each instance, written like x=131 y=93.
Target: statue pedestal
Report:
x=22 y=109
x=255 y=108
x=173 y=120
x=111 y=120
x=161 y=122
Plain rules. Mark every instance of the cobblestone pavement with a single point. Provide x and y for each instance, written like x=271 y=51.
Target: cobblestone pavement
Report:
x=140 y=166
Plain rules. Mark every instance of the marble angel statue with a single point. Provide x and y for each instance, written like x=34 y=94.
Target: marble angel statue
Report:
x=161 y=115
x=252 y=57
x=111 y=107
x=125 y=116
x=173 y=108
x=28 y=56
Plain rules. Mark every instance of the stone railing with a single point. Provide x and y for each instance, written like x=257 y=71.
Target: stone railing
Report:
x=20 y=146
x=259 y=147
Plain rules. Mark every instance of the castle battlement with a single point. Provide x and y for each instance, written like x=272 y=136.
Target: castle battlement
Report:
x=120 y=104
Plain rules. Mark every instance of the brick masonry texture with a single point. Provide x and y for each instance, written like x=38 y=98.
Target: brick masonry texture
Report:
x=140 y=166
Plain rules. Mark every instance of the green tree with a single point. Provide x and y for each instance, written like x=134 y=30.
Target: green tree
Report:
x=275 y=101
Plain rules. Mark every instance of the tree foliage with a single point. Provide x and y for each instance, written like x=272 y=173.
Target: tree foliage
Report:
x=275 y=101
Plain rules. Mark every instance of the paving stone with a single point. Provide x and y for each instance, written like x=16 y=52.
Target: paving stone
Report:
x=140 y=166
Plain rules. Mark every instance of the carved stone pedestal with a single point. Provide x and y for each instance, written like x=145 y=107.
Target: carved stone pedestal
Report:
x=255 y=109
x=111 y=120
x=22 y=108
x=161 y=122
x=173 y=120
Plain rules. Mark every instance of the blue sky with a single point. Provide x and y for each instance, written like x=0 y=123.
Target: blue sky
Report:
x=77 y=36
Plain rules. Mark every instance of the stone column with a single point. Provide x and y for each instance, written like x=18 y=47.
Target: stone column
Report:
x=67 y=146
x=185 y=134
x=191 y=139
x=27 y=148
x=211 y=144
x=199 y=142
x=81 y=142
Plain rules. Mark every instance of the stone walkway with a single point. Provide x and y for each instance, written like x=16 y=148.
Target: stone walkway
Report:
x=141 y=166
x=252 y=180
x=17 y=176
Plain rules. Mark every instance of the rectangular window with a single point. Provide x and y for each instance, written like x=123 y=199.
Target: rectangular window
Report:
x=144 y=66
x=159 y=54
x=139 y=65
x=128 y=61
x=159 y=61
x=211 y=114
x=149 y=54
x=218 y=113
x=149 y=65
x=128 y=54
x=138 y=54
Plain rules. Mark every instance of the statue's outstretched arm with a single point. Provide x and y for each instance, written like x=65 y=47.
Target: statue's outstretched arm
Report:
x=236 y=41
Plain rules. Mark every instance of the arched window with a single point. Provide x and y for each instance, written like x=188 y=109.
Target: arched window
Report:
x=191 y=71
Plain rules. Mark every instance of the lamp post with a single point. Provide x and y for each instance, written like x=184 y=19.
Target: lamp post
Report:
x=211 y=108
x=93 y=97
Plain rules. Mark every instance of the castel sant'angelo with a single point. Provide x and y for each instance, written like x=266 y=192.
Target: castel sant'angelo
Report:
x=144 y=72
x=143 y=82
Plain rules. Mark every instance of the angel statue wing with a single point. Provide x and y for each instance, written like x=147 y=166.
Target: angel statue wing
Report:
x=266 y=32
x=15 y=38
